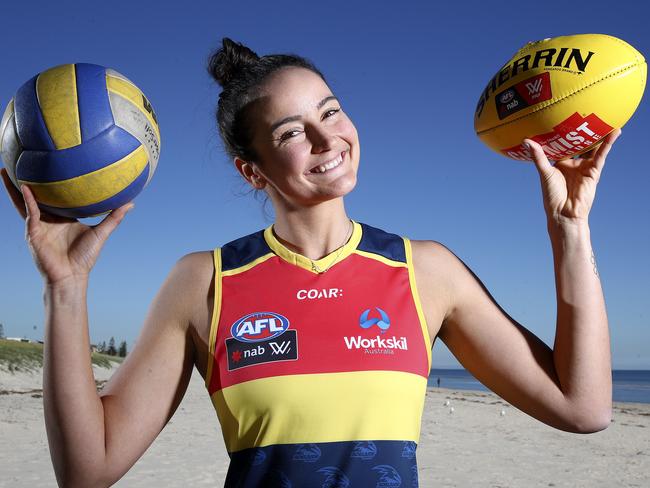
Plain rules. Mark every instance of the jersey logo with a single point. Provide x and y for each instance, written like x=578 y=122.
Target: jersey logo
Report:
x=334 y=478
x=380 y=344
x=259 y=457
x=408 y=451
x=364 y=450
x=259 y=338
x=259 y=326
x=309 y=453
x=414 y=476
x=388 y=476
x=383 y=323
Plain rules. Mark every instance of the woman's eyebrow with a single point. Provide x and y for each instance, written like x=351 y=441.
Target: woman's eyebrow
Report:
x=293 y=118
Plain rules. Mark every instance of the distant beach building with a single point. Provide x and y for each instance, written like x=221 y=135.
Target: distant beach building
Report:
x=17 y=339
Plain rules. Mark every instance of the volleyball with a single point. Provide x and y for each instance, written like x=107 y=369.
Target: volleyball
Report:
x=566 y=93
x=83 y=137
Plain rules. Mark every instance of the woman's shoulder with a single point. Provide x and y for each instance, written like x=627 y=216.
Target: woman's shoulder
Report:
x=436 y=263
x=426 y=251
x=193 y=272
x=196 y=260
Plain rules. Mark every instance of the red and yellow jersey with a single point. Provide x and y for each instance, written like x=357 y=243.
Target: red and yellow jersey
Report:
x=318 y=378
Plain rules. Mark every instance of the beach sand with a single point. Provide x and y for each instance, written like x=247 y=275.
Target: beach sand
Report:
x=483 y=442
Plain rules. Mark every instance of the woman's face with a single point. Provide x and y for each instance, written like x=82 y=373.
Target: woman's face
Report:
x=307 y=147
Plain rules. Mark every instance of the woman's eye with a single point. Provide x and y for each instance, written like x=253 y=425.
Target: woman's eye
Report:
x=288 y=135
x=331 y=112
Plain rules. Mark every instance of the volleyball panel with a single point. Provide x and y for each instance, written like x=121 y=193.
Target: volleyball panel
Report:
x=104 y=206
x=93 y=155
x=133 y=112
x=132 y=119
x=96 y=187
x=56 y=92
x=30 y=124
x=10 y=147
x=95 y=115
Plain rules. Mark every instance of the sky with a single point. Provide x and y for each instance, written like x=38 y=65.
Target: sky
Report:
x=409 y=75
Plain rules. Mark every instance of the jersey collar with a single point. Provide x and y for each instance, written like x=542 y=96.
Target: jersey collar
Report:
x=325 y=262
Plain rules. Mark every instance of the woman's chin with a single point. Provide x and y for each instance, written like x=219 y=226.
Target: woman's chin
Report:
x=340 y=187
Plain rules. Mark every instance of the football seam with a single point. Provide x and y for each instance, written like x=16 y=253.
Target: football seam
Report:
x=544 y=106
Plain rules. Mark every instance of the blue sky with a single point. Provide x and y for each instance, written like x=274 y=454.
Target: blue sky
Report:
x=409 y=75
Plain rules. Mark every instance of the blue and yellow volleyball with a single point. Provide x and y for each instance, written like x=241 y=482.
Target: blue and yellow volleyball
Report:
x=83 y=137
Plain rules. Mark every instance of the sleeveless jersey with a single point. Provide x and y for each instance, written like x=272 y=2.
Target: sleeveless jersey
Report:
x=318 y=379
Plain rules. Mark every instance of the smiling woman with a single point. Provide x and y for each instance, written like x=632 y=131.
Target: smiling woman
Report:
x=313 y=335
x=305 y=158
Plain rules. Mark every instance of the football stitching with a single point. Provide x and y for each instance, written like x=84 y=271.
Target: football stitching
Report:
x=544 y=106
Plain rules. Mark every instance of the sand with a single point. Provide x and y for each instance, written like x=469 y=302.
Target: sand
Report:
x=482 y=442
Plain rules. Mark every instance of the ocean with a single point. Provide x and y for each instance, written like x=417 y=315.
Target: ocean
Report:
x=629 y=385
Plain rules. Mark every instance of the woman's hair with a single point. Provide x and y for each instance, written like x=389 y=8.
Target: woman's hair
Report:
x=241 y=72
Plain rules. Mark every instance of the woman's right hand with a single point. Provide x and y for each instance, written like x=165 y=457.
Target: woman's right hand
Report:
x=62 y=248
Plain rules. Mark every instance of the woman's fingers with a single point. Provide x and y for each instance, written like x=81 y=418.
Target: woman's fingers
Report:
x=112 y=220
x=603 y=150
x=31 y=208
x=539 y=158
x=14 y=194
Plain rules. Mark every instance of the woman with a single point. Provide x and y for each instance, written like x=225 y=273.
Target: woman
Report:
x=313 y=335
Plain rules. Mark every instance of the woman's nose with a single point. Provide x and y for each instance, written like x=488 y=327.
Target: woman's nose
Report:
x=321 y=139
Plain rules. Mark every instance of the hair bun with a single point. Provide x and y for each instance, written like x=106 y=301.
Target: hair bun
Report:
x=230 y=60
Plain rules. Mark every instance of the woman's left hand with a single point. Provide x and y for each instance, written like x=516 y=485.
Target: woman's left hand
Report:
x=569 y=186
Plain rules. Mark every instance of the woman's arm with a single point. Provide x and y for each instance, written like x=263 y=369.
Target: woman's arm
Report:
x=95 y=438
x=569 y=386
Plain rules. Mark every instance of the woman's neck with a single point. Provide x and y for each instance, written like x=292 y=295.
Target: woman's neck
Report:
x=314 y=232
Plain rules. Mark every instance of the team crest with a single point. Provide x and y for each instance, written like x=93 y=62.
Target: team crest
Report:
x=388 y=477
x=334 y=478
x=364 y=450
x=259 y=338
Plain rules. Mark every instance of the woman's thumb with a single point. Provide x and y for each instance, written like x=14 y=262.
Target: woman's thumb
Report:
x=108 y=225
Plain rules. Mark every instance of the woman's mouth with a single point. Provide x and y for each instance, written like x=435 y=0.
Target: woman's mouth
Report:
x=329 y=165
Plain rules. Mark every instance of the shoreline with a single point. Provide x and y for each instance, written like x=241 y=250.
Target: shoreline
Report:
x=24 y=382
x=467 y=438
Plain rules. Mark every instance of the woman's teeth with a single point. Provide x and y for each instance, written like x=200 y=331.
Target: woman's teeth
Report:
x=327 y=166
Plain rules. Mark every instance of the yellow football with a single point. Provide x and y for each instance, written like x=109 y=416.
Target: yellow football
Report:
x=566 y=93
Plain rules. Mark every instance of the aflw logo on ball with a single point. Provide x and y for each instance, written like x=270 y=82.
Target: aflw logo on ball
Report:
x=259 y=326
x=572 y=59
x=535 y=88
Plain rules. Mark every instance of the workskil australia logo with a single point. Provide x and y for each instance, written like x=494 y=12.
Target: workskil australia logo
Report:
x=380 y=344
x=261 y=337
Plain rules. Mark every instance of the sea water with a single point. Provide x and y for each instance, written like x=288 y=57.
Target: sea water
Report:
x=628 y=385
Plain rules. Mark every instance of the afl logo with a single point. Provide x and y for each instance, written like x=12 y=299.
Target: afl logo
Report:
x=259 y=326
x=507 y=96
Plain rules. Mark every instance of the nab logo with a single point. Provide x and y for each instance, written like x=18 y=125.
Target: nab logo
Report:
x=259 y=326
x=383 y=323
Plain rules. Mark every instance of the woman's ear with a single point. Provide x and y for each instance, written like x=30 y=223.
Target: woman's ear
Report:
x=251 y=173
